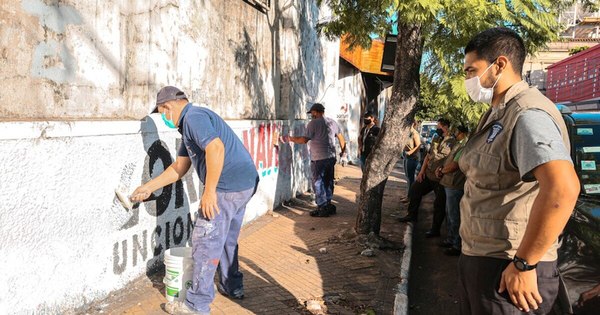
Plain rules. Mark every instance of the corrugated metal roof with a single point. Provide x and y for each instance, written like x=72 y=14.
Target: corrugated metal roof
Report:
x=368 y=61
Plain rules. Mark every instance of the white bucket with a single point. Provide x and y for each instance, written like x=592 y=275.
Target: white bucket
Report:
x=179 y=268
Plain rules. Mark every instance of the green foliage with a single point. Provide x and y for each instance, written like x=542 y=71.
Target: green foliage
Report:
x=575 y=50
x=448 y=25
x=448 y=100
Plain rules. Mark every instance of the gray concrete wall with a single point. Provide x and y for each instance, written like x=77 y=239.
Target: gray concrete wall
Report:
x=105 y=60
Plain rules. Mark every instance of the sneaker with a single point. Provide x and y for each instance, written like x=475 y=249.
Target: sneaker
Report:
x=237 y=294
x=320 y=212
x=331 y=208
x=180 y=308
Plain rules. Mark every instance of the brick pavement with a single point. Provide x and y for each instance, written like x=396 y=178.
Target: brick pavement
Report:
x=284 y=270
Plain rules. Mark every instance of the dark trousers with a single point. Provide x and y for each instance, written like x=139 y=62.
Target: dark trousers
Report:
x=323 y=172
x=479 y=280
x=420 y=189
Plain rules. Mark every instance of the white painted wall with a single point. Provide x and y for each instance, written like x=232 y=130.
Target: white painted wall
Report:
x=65 y=238
x=73 y=128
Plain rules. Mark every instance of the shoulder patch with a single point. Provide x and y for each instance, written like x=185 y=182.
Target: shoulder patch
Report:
x=494 y=132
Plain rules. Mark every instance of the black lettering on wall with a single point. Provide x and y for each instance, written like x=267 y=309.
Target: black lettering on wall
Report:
x=155 y=241
x=142 y=249
x=156 y=152
x=177 y=237
x=139 y=247
x=168 y=235
x=157 y=205
x=118 y=268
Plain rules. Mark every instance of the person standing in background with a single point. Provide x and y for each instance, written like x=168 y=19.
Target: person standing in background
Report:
x=453 y=181
x=411 y=155
x=367 y=138
x=321 y=133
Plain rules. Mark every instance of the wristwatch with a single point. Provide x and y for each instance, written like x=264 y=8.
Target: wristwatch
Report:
x=522 y=265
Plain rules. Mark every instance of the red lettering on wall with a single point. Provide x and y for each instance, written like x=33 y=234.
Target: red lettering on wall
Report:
x=262 y=145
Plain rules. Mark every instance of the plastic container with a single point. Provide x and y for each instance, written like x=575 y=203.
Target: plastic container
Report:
x=179 y=267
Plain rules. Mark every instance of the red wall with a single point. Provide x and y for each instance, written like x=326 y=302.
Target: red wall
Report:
x=576 y=78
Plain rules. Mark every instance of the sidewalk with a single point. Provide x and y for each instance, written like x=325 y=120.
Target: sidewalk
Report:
x=285 y=271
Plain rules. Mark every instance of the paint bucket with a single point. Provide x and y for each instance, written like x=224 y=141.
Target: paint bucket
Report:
x=179 y=268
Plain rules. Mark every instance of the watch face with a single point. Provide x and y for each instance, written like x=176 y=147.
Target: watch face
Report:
x=520 y=265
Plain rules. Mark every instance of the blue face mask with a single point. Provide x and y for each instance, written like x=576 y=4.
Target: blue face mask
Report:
x=168 y=122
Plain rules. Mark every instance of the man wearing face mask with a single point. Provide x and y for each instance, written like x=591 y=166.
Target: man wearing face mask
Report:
x=453 y=181
x=367 y=138
x=427 y=181
x=230 y=179
x=320 y=135
x=520 y=187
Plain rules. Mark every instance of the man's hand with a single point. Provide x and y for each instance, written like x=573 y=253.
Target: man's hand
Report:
x=208 y=204
x=420 y=177
x=140 y=194
x=588 y=295
x=438 y=172
x=522 y=287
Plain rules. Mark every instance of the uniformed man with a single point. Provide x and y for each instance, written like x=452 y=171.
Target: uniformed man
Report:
x=453 y=181
x=427 y=181
x=521 y=186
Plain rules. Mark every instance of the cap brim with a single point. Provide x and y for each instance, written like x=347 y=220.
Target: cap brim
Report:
x=155 y=110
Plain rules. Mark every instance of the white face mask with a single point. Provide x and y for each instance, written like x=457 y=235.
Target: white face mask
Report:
x=477 y=92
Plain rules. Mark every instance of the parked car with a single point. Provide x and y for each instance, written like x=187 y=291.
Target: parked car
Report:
x=427 y=133
x=579 y=254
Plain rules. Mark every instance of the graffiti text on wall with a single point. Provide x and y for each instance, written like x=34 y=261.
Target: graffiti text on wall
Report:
x=51 y=58
x=165 y=234
x=262 y=143
x=173 y=233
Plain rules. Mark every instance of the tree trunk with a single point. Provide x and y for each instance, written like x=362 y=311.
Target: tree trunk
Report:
x=387 y=150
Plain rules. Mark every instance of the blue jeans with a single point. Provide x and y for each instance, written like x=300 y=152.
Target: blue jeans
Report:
x=410 y=167
x=453 y=197
x=215 y=245
x=322 y=180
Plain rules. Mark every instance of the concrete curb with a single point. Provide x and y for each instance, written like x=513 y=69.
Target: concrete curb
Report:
x=401 y=299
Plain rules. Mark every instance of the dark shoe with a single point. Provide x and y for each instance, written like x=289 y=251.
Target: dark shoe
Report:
x=452 y=251
x=408 y=218
x=237 y=294
x=445 y=244
x=431 y=234
x=331 y=208
x=320 y=212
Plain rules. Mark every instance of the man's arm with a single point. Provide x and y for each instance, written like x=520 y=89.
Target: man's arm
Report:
x=299 y=140
x=342 y=143
x=559 y=188
x=215 y=157
x=172 y=174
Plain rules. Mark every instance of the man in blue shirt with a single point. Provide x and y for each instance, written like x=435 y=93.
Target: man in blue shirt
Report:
x=230 y=179
x=321 y=132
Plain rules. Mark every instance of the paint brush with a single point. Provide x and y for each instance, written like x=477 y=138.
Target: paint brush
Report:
x=124 y=199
